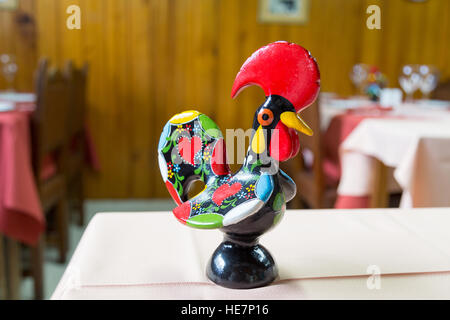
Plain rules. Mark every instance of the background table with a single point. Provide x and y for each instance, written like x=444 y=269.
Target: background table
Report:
x=330 y=254
x=417 y=148
x=411 y=140
x=21 y=215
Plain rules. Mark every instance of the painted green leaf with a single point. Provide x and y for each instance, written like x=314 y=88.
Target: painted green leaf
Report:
x=278 y=202
x=206 y=221
x=256 y=164
x=167 y=148
x=210 y=126
x=277 y=218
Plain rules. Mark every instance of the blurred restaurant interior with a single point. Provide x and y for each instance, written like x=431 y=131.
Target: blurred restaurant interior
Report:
x=82 y=108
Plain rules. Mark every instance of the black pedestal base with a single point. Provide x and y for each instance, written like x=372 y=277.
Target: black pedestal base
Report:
x=241 y=265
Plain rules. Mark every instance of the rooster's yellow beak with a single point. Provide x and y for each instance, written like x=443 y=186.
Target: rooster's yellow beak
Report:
x=292 y=120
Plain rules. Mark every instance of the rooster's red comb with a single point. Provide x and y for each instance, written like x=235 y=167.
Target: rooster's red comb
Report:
x=284 y=69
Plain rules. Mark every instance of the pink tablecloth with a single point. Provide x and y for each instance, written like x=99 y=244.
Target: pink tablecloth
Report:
x=21 y=216
x=321 y=254
x=413 y=142
x=339 y=129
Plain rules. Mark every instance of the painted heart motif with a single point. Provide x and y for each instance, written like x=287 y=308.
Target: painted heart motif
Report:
x=219 y=163
x=182 y=212
x=225 y=191
x=188 y=148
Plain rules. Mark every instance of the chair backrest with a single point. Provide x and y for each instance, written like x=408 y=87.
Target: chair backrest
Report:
x=77 y=98
x=313 y=144
x=49 y=121
x=442 y=91
x=311 y=116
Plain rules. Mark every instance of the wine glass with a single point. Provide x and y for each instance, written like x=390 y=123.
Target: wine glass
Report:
x=9 y=70
x=429 y=80
x=359 y=75
x=410 y=80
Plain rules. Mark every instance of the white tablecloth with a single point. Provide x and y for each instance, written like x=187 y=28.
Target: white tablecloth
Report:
x=331 y=107
x=418 y=148
x=329 y=254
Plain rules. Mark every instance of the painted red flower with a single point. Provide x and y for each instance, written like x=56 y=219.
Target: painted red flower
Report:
x=225 y=191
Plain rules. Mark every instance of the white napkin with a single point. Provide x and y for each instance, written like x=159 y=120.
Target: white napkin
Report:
x=6 y=106
x=18 y=97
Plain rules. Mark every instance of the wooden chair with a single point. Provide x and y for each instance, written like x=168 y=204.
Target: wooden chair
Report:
x=76 y=135
x=313 y=191
x=49 y=138
x=442 y=91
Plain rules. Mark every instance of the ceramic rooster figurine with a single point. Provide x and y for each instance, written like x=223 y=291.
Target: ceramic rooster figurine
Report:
x=248 y=203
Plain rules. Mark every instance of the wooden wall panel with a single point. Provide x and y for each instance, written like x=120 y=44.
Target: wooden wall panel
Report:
x=18 y=37
x=152 y=58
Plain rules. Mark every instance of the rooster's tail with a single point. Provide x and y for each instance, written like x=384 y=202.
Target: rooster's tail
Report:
x=191 y=148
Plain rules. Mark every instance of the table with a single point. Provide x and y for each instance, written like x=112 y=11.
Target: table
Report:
x=321 y=254
x=21 y=215
x=411 y=140
x=415 y=142
x=331 y=106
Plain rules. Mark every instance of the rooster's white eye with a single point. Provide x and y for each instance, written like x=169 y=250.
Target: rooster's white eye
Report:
x=265 y=117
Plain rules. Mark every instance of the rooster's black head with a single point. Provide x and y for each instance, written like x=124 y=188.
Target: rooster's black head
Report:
x=290 y=78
